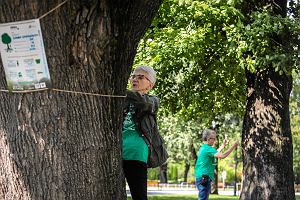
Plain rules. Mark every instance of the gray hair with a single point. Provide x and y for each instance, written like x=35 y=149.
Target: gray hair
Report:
x=206 y=133
x=150 y=72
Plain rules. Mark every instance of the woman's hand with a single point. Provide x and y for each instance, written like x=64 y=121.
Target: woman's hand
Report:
x=236 y=143
x=226 y=141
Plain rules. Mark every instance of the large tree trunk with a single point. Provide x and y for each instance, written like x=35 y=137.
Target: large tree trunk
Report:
x=266 y=136
x=56 y=145
x=267 y=141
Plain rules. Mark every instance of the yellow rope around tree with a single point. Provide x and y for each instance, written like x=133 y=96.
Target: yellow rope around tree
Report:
x=47 y=13
x=87 y=93
x=65 y=91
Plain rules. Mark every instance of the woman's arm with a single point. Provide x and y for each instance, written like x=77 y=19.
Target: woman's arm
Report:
x=223 y=145
x=226 y=153
x=144 y=103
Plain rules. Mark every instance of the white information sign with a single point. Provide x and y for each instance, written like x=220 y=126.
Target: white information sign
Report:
x=23 y=55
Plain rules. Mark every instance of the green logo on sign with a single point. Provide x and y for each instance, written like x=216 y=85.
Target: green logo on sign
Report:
x=6 y=39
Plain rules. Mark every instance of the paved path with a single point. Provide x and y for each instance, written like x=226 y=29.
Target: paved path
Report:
x=183 y=191
x=180 y=191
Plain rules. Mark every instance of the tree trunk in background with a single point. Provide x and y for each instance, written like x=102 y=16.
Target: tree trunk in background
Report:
x=186 y=171
x=193 y=152
x=163 y=173
x=266 y=135
x=214 y=183
x=267 y=141
x=56 y=145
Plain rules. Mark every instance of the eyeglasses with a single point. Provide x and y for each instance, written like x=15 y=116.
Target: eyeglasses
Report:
x=139 y=77
x=212 y=138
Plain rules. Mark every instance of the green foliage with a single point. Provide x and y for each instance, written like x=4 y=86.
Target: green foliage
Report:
x=231 y=126
x=295 y=125
x=183 y=136
x=201 y=49
x=262 y=42
x=188 y=47
x=296 y=143
x=173 y=173
x=180 y=137
x=228 y=164
x=153 y=174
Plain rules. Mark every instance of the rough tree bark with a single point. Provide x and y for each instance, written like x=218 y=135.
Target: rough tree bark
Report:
x=266 y=137
x=267 y=141
x=56 y=145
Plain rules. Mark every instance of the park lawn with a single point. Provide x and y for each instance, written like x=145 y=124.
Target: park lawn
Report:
x=189 y=197
x=194 y=197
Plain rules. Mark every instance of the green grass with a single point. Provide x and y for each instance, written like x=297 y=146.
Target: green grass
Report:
x=188 y=197
x=193 y=197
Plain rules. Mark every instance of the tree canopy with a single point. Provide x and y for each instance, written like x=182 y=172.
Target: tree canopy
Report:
x=215 y=57
x=188 y=45
x=201 y=50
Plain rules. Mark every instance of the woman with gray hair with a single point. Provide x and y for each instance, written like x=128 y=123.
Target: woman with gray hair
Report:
x=136 y=136
x=204 y=168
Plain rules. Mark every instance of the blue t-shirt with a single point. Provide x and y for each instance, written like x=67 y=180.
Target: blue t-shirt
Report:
x=133 y=145
x=205 y=164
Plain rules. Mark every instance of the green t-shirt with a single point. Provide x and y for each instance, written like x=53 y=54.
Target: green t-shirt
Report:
x=133 y=146
x=205 y=164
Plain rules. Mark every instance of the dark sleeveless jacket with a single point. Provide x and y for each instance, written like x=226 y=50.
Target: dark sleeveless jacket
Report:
x=144 y=116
